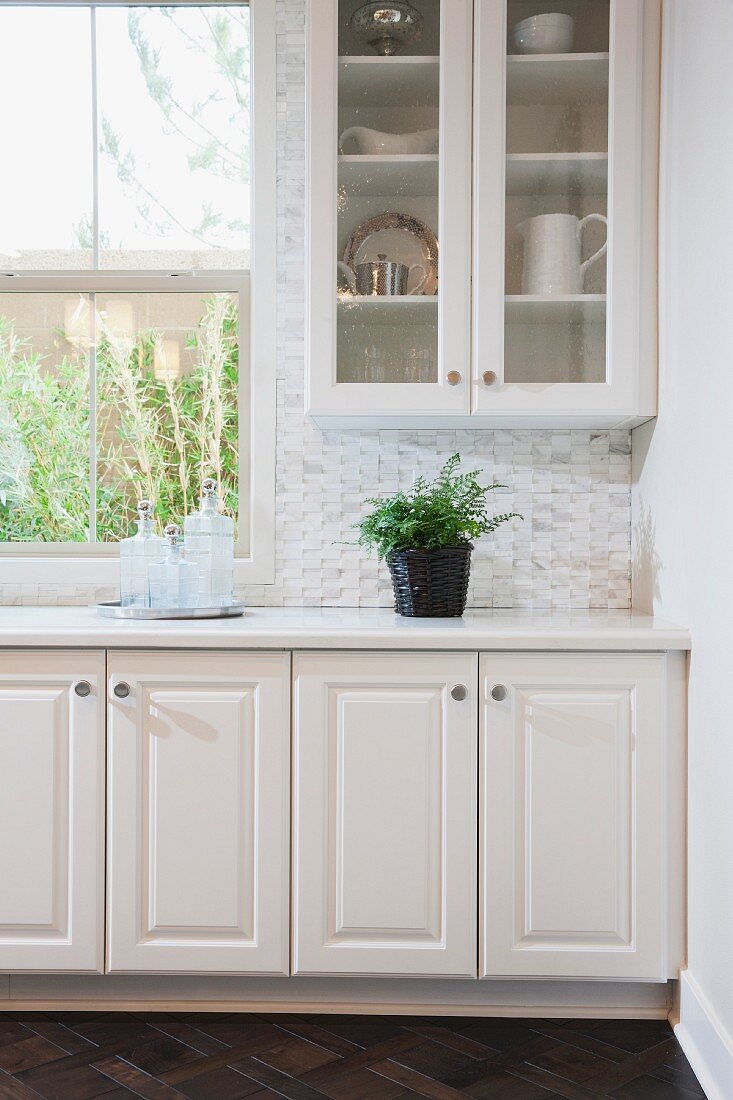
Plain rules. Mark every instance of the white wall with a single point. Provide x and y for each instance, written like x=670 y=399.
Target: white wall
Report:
x=683 y=488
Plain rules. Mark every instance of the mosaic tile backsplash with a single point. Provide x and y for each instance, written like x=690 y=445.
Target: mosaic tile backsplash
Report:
x=572 y=549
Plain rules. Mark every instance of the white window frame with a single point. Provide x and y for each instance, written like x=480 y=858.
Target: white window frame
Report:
x=98 y=563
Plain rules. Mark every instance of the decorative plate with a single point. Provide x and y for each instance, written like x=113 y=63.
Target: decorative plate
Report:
x=402 y=238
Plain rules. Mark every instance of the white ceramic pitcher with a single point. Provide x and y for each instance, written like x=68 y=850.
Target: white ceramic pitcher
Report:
x=552 y=248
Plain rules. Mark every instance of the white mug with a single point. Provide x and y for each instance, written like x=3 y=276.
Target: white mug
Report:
x=552 y=244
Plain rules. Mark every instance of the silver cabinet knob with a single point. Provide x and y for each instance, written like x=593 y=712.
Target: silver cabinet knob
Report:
x=83 y=688
x=498 y=692
x=453 y=378
x=488 y=377
x=459 y=693
x=121 y=690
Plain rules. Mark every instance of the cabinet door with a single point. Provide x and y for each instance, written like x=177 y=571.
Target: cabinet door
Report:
x=561 y=135
x=385 y=814
x=198 y=812
x=389 y=147
x=572 y=810
x=51 y=811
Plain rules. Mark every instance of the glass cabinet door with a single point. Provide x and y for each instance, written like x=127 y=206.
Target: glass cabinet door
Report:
x=390 y=152
x=564 y=205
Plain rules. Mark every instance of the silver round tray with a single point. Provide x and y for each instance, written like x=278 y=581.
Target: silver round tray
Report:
x=114 y=610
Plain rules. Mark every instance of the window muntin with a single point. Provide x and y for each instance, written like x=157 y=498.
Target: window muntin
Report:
x=68 y=339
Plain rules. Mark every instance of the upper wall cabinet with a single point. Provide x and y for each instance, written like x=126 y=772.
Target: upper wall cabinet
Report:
x=495 y=274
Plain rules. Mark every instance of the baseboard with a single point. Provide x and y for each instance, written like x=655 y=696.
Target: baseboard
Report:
x=343 y=1008
x=673 y=1016
x=707 y=1047
x=381 y=996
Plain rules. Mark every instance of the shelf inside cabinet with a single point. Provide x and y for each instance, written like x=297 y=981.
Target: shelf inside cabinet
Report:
x=388 y=81
x=402 y=175
x=555 y=309
x=557 y=173
x=556 y=78
x=378 y=309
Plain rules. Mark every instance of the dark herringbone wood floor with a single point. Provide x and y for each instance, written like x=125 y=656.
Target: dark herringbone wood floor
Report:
x=221 y=1057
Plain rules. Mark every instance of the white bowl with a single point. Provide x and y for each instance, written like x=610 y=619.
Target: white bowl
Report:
x=362 y=140
x=548 y=33
x=546 y=17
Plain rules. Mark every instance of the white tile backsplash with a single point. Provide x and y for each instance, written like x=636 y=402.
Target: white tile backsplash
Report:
x=572 y=550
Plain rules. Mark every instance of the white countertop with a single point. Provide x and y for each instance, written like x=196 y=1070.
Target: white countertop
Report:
x=345 y=628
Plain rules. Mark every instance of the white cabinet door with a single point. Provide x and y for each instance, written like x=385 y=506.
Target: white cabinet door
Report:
x=385 y=814
x=198 y=812
x=573 y=132
x=51 y=810
x=375 y=357
x=572 y=798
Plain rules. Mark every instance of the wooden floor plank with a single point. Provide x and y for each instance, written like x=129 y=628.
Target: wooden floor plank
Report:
x=229 y=1056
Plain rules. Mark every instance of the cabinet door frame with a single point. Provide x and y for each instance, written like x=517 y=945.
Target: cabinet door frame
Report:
x=73 y=939
x=358 y=401
x=629 y=394
x=323 y=683
x=257 y=941
x=648 y=900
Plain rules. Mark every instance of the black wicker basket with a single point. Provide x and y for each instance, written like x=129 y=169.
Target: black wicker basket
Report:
x=431 y=583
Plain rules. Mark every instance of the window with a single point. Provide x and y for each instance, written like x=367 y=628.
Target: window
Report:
x=131 y=363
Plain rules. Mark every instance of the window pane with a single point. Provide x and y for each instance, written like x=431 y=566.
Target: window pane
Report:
x=173 y=89
x=167 y=398
x=46 y=89
x=44 y=418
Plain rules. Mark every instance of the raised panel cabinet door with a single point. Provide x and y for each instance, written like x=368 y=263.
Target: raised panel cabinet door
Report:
x=573 y=811
x=51 y=810
x=384 y=805
x=198 y=812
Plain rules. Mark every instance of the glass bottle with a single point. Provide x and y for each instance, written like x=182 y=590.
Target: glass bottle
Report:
x=209 y=537
x=173 y=582
x=136 y=554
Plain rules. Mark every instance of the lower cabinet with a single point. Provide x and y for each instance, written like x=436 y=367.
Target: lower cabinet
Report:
x=504 y=815
x=384 y=805
x=578 y=755
x=198 y=812
x=51 y=810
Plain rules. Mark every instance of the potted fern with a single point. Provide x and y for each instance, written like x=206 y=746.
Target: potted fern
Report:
x=425 y=537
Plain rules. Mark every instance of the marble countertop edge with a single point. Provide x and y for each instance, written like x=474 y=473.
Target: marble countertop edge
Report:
x=345 y=628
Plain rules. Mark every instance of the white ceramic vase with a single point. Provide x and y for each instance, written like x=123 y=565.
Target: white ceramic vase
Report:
x=552 y=250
